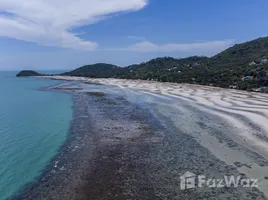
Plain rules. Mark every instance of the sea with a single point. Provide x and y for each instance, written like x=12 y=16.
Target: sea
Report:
x=34 y=124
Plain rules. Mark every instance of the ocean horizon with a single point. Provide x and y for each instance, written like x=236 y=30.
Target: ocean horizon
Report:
x=34 y=125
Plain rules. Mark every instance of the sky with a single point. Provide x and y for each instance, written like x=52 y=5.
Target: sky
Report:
x=66 y=34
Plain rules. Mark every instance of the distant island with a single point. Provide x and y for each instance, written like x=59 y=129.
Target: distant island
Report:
x=26 y=73
x=243 y=66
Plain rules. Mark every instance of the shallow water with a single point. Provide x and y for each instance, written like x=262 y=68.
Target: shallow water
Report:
x=33 y=126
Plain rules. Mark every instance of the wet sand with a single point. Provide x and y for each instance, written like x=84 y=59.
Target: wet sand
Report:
x=134 y=139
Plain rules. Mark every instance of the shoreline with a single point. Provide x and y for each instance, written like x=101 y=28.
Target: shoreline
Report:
x=95 y=81
x=132 y=151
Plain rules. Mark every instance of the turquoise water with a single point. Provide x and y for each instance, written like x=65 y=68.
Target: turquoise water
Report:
x=33 y=126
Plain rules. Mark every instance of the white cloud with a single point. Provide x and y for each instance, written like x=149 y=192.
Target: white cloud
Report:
x=48 y=22
x=204 y=48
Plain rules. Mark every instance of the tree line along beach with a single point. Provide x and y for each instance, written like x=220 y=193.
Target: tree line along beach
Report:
x=243 y=66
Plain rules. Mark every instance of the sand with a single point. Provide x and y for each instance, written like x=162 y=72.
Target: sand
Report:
x=143 y=135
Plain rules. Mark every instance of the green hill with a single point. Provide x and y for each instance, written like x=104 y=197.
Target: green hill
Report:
x=242 y=66
x=165 y=69
x=242 y=54
x=99 y=70
x=26 y=73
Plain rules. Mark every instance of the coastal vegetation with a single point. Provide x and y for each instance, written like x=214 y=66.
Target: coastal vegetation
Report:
x=243 y=66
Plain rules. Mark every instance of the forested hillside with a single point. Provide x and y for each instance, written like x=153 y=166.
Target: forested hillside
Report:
x=99 y=70
x=243 y=66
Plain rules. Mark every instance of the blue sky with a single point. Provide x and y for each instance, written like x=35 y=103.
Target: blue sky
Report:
x=57 y=34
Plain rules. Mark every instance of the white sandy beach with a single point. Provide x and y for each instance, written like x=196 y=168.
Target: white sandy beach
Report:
x=231 y=124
